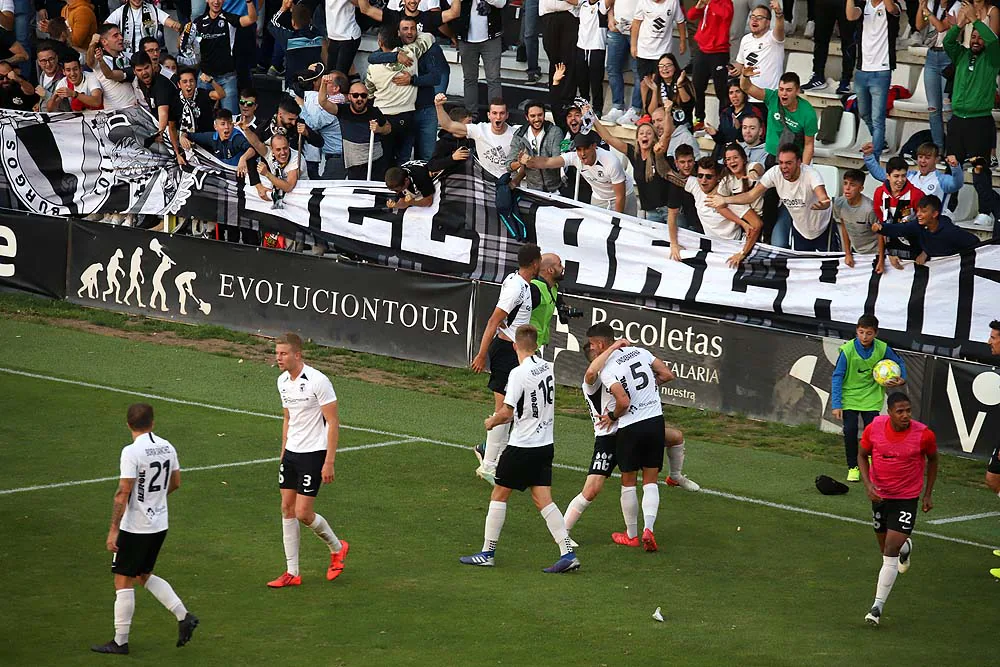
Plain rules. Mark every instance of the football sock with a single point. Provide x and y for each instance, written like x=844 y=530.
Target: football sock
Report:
x=163 y=592
x=124 y=608
x=675 y=455
x=650 y=504
x=496 y=440
x=886 y=578
x=575 y=509
x=325 y=533
x=630 y=510
x=494 y=524
x=557 y=527
x=290 y=533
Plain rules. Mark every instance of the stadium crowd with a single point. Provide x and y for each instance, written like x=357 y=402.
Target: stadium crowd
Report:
x=758 y=181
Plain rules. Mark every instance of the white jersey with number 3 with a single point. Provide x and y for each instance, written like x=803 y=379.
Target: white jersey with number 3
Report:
x=304 y=397
x=632 y=367
x=531 y=393
x=150 y=461
x=515 y=300
x=600 y=400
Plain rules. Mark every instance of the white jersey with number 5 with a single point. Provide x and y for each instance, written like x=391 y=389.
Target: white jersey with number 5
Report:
x=600 y=400
x=515 y=300
x=149 y=460
x=531 y=393
x=304 y=397
x=632 y=367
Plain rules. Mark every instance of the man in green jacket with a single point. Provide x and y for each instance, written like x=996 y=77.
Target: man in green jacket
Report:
x=971 y=131
x=545 y=295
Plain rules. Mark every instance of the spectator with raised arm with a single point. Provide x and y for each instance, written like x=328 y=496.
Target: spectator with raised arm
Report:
x=649 y=168
x=323 y=122
x=114 y=73
x=451 y=151
x=613 y=189
x=801 y=189
x=360 y=123
x=792 y=119
x=138 y=19
x=493 y=139
x=936 y=235
x=215 y=32
x=895 y=203
x=763 y=48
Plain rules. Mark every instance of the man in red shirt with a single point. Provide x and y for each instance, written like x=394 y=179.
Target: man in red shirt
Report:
x=900 y=448
x=894 y=201
x=711 y=59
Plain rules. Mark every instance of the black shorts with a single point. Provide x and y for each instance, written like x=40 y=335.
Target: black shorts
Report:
x=645 y=67
x=521 y=468
x=302 y=472
x=503 y=359
x=971 y=137
x=604 y=460
x=640 y=445
x=137 y=553
x=994 y=464
x=897 y=515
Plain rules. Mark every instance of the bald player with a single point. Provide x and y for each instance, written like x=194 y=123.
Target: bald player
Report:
x=545 y=298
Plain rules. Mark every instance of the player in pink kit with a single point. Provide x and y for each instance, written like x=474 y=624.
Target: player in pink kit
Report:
x=900 y=449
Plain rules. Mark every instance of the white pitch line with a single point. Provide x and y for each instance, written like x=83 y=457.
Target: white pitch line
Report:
x=966 y=517
x=216 y=466
x=417 y=438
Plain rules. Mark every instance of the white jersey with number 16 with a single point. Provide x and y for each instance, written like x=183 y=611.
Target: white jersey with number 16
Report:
x=632 y=367
x=150 y=461
x=531 y=393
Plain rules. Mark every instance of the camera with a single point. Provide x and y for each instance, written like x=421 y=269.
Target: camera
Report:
x=567 y=312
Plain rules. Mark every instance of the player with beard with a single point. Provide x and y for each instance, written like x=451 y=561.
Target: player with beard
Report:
x=513 y=310
x=900 y=448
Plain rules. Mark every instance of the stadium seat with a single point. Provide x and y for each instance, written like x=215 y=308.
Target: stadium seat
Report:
x=907 y=129
x=831 y=178
x=712 y=110
x=864 y=136
x=968 y=205
x=870 y=186
x=801 y=64
x=844 y=140
x=917 y=103
x=906 y=76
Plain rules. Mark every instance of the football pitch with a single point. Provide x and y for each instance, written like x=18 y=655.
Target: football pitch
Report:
x=758 y=568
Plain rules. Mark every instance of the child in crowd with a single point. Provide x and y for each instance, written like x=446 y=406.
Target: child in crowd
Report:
x=854 y=212
x=895 y=202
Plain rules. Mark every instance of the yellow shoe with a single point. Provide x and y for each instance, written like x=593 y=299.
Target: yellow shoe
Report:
x=996 y=552
x=854 y=474
x=995 y=572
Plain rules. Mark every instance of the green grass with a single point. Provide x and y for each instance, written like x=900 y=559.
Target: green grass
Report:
x=736 y=581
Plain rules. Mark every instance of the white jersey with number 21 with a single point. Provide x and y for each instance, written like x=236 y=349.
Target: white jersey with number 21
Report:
x=149 y=460
x=632 y=367
x=531 y=393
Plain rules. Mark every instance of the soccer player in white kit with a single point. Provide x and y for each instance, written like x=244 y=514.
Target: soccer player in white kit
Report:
x=150 y=472
x=309 y=438
x=631 y=374
x=526 y=462
x=513 y=309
